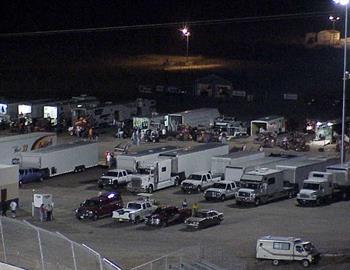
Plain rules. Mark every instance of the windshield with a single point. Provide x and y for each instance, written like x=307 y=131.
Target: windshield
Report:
x=308 y=247
x=90 y=203
x=201 y=214
x=311 y=186
x=111 y=174
x=134 y=205
x=195 y=177
x=219 y=186
x=249 y=184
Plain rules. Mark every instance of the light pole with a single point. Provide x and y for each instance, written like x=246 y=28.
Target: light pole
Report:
x=333 y=19
x=186 y=34
x=345 y=76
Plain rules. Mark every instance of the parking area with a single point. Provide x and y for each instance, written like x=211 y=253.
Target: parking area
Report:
x=131 y=245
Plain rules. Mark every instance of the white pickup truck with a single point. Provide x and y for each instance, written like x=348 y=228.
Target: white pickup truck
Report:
x=221 y=191
x=135 y=211
x=199 y=181
x=113 y=178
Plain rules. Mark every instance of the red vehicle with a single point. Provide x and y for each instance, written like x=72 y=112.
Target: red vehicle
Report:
x=164 y=216
x=101 y=206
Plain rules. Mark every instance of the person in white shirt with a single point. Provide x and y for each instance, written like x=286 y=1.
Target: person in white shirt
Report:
x=13 y=207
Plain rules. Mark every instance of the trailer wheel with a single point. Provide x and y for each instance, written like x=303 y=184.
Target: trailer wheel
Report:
x=344 y=196
x=275 y=262
x=290 y=195
x=20 y=183
x=150 y=189
x=305 y=263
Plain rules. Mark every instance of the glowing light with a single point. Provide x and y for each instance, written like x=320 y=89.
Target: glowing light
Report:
x=342 y=2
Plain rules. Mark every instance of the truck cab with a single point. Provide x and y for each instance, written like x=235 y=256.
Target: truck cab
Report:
x=113 y=178
x=317 y=189
x=221 y=191
x=279 y=249
x=199 y=181
x=261 y=186
x=136 y=211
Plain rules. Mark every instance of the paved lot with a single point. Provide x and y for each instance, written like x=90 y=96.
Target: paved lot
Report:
x=131 y=245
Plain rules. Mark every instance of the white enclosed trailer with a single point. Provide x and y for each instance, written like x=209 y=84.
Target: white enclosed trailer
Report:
x=9 y=182
x=131 y=160
x=295 y=171
x=12 y=146
x=200 y=117
x=237 y=169
x=219 y=163
x=341 y=179
x=195 y=159
x=63 y=158
x=273 y=123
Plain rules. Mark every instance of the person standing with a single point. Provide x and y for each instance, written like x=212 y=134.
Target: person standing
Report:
x=42 y=212
x=4 y=208
x=49 y=210
x=109 y=160
x=184 y=203
x=13 y=207
x=194 y=209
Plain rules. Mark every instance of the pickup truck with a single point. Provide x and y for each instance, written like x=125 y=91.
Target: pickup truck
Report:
x=199 y=182
x=221 y=191
x=135 y=211
x=113 y=178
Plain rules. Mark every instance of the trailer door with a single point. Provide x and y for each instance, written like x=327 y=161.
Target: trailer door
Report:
x=233 y=173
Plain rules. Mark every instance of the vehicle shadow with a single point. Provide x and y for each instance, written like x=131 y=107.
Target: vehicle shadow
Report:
x=242 y=206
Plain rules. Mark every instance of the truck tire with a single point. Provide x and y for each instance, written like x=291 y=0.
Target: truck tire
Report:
x=318 y=201
x=290 y=194
x=275 y=262
x=95 y=217
x=137 y=220
x=150 y=189
x=41 y=179
x=222 y=198
x=257 y=202
x=238 y=203
x=199 y=189
x=305 y=263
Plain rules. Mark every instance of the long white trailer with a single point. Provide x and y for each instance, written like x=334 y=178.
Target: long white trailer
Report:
x=131 y=160
x=195 y=159
x=12 y=146
x=9 y=182
x=63 y=158
x=219 y=163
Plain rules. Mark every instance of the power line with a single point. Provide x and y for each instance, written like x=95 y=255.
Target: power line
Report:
x=172 y=24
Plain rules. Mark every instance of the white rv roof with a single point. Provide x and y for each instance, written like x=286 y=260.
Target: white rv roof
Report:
x=192 y=149
x=280 y=238
x=61 y=147
x=263 y=171
x=3 y=166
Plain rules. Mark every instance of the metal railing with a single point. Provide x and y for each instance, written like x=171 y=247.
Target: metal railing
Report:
x=29 y=247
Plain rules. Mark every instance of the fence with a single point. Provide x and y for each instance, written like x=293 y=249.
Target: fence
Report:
x=195 y=258
x=27 y=246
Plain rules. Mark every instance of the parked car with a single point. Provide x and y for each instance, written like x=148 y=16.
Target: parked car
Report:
x=101 y=206
x=32 y=175
x=204 y=218
x=164 y=216
x=113 y=178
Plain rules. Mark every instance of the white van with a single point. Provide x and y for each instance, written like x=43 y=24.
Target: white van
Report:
x=286 y=249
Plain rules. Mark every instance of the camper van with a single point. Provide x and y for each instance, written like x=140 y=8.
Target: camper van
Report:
x=286 y=249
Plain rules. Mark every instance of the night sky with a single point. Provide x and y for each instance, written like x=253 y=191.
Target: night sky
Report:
x=83 y=62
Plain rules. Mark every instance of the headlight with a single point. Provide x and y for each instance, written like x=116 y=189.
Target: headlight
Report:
x=313 y=195
x=76 y=211
x=90 y=212
x=252 y=195
x=156 y=221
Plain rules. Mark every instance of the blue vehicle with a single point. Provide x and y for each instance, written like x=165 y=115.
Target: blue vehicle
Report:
x=32 y=175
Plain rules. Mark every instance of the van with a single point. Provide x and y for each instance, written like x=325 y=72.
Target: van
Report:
x=286 y=249
x=32 y=175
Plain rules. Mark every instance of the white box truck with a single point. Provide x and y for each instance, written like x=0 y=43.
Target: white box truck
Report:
x=341 y=179
x=219 y=163
x=9 y=183
x=12 y=146
x=194 y=159
x=272 y=123
x=131 y=160
x=63 y=158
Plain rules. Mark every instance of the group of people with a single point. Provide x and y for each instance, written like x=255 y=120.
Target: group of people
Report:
x=45 y=212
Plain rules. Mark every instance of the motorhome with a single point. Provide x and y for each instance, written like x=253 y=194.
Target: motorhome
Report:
x=279 y=249
x=273 y=123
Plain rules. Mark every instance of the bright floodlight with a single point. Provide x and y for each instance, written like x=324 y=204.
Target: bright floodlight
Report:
x=342 y=2
x=185 y=31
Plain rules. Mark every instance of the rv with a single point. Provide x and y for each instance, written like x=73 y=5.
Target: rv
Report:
x=279 y=249
x=63 y=158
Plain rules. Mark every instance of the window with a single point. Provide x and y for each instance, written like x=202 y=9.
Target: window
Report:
x=163 y=169
x=124 y=173
x=208 y=176
x=281 y=246
x=229 y=187
x=271 y=181
x=204 y=178
x=144 y=206
x=148 y=205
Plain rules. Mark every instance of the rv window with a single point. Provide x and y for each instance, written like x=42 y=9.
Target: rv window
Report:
x=163 y=169
x=124 y=173
x=204 y=178
x=281 y=246
x=271 y=181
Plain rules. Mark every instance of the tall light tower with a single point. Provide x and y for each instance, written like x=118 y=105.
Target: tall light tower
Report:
x=345 y=76
x=186 y=34
x=333 y=19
